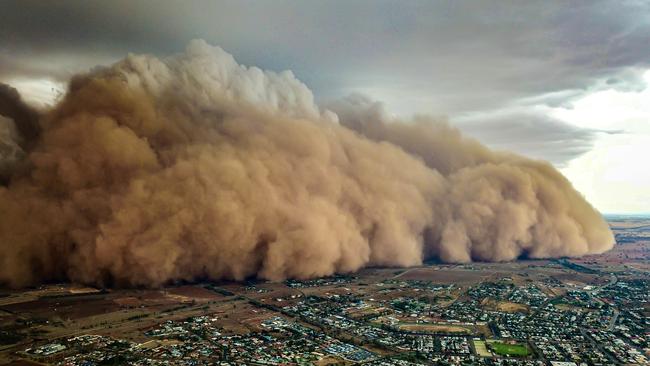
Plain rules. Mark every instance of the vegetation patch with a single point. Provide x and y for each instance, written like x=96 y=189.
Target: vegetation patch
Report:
x=508 y=349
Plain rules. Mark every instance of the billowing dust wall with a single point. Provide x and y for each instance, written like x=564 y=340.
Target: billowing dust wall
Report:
x=193 y=166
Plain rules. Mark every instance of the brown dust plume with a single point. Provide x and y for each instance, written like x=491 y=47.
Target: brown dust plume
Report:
x=192 y=167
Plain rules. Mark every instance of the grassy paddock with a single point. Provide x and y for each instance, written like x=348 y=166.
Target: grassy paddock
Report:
x=505 y=349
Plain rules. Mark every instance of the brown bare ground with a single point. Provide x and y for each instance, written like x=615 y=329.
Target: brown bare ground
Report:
x=434 y=328
x=511 y=307
x=445 y=275
x=195 y=292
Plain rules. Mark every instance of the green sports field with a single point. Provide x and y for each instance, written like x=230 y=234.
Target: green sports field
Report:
x=509 y=349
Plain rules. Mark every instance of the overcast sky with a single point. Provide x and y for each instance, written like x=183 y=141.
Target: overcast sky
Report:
x=562 y=81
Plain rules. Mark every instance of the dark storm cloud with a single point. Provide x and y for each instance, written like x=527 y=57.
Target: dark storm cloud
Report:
x=443 y=58
x=543 y=46
x=24 y=117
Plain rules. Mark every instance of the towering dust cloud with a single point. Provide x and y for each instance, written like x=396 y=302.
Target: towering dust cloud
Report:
x=197 y=167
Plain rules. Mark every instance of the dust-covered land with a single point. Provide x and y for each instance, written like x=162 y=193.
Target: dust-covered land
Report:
x=591 y=310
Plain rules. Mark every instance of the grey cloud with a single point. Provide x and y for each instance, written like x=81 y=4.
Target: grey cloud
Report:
x=57 y=67
x=453 y=58
x=25 y=117
x=526 y=132
x=461 y=55
x=531 y=133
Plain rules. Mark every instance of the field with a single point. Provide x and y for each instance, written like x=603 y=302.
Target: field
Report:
x=433 y=328
x=633 y=248
x=444 y=275
x=481 y=348
x=511 y=307
x=505 y=349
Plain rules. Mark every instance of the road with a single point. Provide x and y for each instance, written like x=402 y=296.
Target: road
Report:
x=612 y=323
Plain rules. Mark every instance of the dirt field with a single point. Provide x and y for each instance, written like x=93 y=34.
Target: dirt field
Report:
x=580 y=279
x=331 y=360
x=511 y=307
x=64 y=308
x=194 y=292
x=434 y=328
x=445 y=276
x=622 y=254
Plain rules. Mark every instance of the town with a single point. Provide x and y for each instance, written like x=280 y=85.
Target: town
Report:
x=588 y=311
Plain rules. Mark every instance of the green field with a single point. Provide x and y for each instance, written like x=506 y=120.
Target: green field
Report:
x=509 y=349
